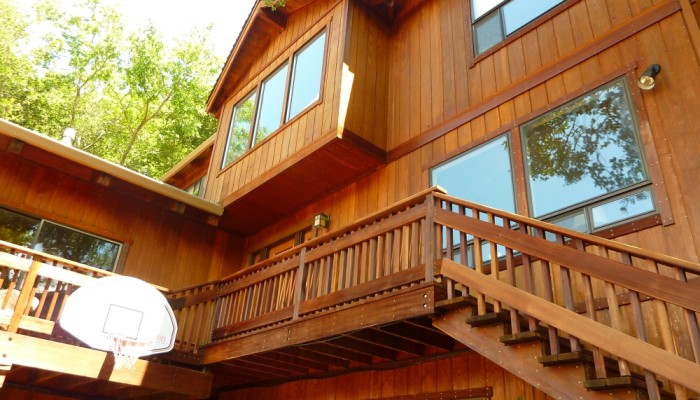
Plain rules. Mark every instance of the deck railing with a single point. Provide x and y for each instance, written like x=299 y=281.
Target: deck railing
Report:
x=650 y=298
x=383 y=252
x=644 y=295
x=37 y=285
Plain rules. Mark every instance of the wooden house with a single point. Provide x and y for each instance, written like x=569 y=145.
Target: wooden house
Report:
x=405 y=199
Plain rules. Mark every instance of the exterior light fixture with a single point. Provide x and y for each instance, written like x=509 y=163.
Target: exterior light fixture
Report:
x=648 y=79
x=322 y=220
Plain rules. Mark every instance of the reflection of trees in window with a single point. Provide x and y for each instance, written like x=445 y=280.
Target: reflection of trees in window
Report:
x=77 y=246
x=589 y=145
x=58 y=240
x=239 y=130
x=18 y=229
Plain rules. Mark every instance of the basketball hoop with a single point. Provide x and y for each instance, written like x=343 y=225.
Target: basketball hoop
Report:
x=126 y=350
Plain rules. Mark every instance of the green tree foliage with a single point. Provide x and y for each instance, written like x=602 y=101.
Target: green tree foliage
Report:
x=134 y=100
x=15 y=66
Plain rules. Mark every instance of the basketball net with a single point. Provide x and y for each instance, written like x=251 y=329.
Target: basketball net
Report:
x=126 y=351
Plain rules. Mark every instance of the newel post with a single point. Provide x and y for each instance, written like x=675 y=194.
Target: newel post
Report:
x=429 y=232
x=299 y=288
x=24 y=296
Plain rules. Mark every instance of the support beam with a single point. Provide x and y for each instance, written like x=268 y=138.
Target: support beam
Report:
x=59 y=357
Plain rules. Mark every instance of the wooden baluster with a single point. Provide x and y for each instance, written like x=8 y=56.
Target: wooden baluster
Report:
x=638 y=316
x=449 y=254
x=300 y=288
x=378 y=256
x=479 y=267
x=493 y=250
x=510 y=274
x=527 y=278
x=568 y=294
x=691 y=319
x=598 y=357
x=666 y=330
x=549 y=296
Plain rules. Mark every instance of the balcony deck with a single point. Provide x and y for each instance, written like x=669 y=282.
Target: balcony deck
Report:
x=367 y=295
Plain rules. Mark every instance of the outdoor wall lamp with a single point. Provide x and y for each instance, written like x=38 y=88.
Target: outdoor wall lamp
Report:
x=648 y=79
x=322 y=220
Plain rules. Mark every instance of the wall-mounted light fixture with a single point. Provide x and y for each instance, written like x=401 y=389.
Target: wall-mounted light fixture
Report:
x=322 y=220
x=648 y=79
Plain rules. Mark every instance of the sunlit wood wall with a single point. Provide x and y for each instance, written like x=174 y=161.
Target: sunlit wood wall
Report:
x=160 y=246
x=467 y=371
x=310 y=125
x=442 y=101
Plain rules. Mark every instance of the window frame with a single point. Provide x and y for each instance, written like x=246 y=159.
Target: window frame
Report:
x=247 y=145
x=41 y=222
x=588 y=204
x=662 y=213
x=473 y=57
x=285 y=121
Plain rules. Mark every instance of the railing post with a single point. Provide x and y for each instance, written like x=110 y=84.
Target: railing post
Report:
x=429 y=238
x=24 y=295
x=299 y=289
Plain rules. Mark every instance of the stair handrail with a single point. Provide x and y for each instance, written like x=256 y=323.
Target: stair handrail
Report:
x=551 y=247
x=639 y=252
x=675 y=368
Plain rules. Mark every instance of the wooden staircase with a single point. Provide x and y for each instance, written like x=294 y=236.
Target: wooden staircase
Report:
x=577 y=316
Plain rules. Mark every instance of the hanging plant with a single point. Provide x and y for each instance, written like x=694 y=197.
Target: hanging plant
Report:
x=274 y=4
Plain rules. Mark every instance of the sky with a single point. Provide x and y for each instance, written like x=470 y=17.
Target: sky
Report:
x=175 y=18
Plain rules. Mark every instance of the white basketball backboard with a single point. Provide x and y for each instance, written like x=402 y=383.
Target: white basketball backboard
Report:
x=124 y=307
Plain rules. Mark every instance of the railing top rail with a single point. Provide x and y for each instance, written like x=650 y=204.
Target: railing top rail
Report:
x=587 y=238
x=413 y=200
x=48 y=258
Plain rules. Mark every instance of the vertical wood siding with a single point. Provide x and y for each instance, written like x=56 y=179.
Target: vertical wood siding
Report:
x=466 y=371
x=301 y=26
x=365 y=76
x=161 y=247
x=430 y=82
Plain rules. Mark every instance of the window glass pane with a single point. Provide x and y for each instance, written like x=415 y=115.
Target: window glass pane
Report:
x=76 y=246
x=482 y=175
x=488 y=32
x=575 y=221
x=518 y=13
x=239 y=129
x=622 y=208
x=17 y=228
x=306 y=76
x=481 y=7
x=582 y=150
x=271 y=102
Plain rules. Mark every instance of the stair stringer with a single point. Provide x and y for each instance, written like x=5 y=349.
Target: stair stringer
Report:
x=522 y=360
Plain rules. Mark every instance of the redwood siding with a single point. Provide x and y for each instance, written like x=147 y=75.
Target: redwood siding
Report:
x=302 y=130
x=438 y=105
x=160 y=246
x=466 y=371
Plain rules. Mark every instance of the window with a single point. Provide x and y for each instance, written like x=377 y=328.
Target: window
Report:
x=197 y=187
x=584 y=167
x=588 y=153
x=58 y=240
x=306 y=76
x=280 y=99
x=494 y=20
x=280 y=245
x=482 y=175
x=271 y=103
x=239 y=129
